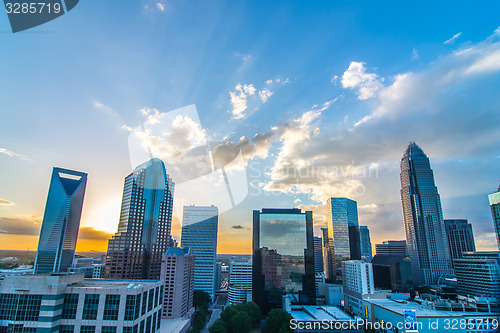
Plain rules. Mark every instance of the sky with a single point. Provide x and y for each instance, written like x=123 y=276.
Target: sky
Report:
x=313 y=99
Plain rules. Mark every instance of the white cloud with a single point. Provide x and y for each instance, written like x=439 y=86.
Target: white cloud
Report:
x=239 y=98
x=452 y=39
x=356 y=77
x=414 y=54
x=13 y=154
x=155 y=5
x=5 y=202
x=264 y=95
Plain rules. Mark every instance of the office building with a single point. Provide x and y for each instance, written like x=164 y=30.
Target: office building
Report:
x=425 y=233
x=392 y=272
x=391 y=248
x=199 y=232
x=240 y=280
x=460 y=237
x=69 y=303
x=366 y=244
x=328 y=262
x=318 y=255
x=135 y=251
x=283 y=257
x=218 y=276
x=177 y=272
x=478 y=274
x=61 y=221
x=319 y=277
x=333 y=294
x=343 y=229
x=495 y=212
x=358 y=276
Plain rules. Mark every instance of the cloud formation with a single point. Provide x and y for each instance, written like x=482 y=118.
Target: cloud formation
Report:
x=5 y=202
x=13 y=154
x=356 y=77
x=239 y=98
x=452 y=39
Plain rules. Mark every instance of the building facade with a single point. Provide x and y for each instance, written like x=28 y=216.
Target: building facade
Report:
x=460 y=237
x=283 y=257
x=240 y=280
x=478 y=274
x=391 y=247
x=318 y=255
x=328 y=262
x=199 y=232
x=425 y=233
x=366 y=244
x=495 y=212
x=343 y=229
x=61 y=221
x=135 y=251
x=392 y=272
x=177 y=272
x=69 y=303
x=358 y=276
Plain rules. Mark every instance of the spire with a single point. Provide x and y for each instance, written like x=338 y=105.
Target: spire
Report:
x=412 y=149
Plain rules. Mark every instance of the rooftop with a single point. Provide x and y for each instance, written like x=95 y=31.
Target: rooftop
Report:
x=421 y=310
x=318 y=313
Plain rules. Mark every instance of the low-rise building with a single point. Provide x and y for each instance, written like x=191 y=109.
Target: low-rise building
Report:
x=69 y=303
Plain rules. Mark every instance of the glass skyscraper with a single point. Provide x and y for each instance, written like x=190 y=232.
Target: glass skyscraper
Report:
x=366 y=244
x=495 y=212
x=318 y=255
x=143 y=235
x=425 y=232
x=343 y=228
x=283 y=257
x=61 y=221
x=199 y=232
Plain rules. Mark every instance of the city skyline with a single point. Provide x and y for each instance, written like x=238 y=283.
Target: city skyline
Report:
x=334 y=108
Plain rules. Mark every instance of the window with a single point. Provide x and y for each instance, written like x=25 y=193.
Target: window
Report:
x=151 y=299
x=70 y=306
x=130 y=307
x=66 y=329
x=111 y=307
x=20 y=307
x=148 y=325
x=144 y=305
x=90 y=307
x=108 y=329
x=141 y=327
x=87 y=329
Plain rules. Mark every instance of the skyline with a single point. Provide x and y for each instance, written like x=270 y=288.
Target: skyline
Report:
x=330 y=89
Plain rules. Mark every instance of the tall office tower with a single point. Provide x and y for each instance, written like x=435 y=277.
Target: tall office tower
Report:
x=240 y=280
x=495 y=212
x=199 y=232
x=343 y=228
x=143 y=235
x=460 y=237
x=283 y=257
x=328 y=262
x=478 y=274
x=61 y=221
x=177 y=272
x=391 y=247
x=425 y=233
x=358 y=276
x=318 y=255
x=366 y=244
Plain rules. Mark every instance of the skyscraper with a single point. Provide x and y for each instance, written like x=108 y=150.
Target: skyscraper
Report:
x=425 y=233
x=343 y=228
x=283 y=257
x=177 y=270
x=328 y=262
x=318 y=255
x=460 y=237
x=478 y=274
x=495 y=212
x=61 y=221
x=391 y=247
x=199 y=232
x=240 y=279
x=143 y=235
x=366 y=244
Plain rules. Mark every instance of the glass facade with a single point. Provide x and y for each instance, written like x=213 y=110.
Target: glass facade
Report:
x=283 y=256
x=425 y=232
x=495 y=213
x=366 y=244
x=460 y=237
x=343 y=229
x=111 y=307
x=61 y=221
x=70 y=306
x=15 y=307
x=90 y=307
x=199 y=232
x=143 y=235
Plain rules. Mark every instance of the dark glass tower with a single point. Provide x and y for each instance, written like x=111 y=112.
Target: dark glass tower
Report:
x=495 y=212
x=366 y=244
x=143 y=235
x=425 y=233
x=283 y=257
x=61 y=221
x=460 y=238
x=343 y=229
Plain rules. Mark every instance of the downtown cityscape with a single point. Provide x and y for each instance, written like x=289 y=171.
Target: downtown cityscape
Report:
x=249 y=166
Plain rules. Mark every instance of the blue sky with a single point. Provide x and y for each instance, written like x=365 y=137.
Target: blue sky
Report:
x=328 y=86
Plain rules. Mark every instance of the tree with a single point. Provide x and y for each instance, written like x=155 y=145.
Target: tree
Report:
x=240 y=323
x=218 y=327
x=200 y=298
x=254 y=312
x=277 y=321
x=228 y=313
